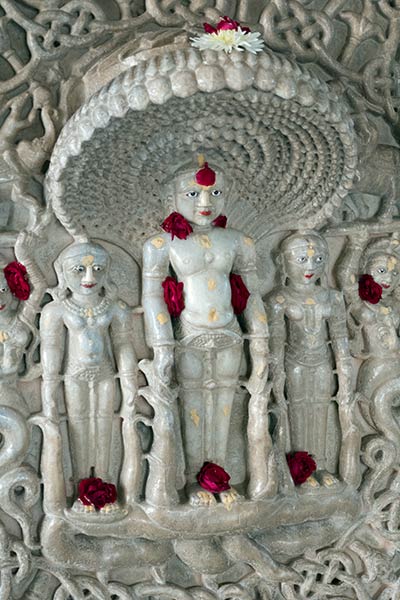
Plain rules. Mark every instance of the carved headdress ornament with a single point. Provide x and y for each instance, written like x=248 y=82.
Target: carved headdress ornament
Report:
x=205 y=176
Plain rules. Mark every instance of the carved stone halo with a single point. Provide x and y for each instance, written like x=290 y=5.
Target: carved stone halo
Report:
x=286 y=138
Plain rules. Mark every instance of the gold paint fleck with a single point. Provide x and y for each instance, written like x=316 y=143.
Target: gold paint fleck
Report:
x=158 y=242
x=212 y=284
x=89 y=312
x=312 y=481
x=87 y=261
x=205 y=241
x=391 y=263
x=248 y=241
x=261 y=317
x=227 y=410
x=213 y=315
x=121 y=304
x=280 y=299
x=395 y=242
x=3 y=336
x=310 y=301
x=162 y=318
x=385 y=310
x=195 y=417
x=310 y=251
x=353 y=278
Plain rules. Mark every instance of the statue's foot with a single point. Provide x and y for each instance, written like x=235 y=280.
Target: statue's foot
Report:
x=328 y=480
x=81 y=508
x=229 y=498
x=310 y=484
x=200 y=497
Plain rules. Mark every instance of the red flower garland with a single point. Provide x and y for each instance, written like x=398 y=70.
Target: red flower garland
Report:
x=177 y=225
x=239 y=293
x=173 y=296
x=213 y=478
x=220 y=221
x=17 y=280
x=225 y=23
x=205 y=176
x=93 y=491
x=369 y=290
x=301 y=466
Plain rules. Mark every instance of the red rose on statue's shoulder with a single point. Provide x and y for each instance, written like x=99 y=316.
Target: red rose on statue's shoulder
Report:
x=239 y=293
x=17 y=280
x=173 y=296
x=177 y=225
x=220 y=221
x=369 y=290
x=301 y=466
x=213 y=478
x=93 y=491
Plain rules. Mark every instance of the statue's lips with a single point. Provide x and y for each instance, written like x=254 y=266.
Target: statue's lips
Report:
x=309 y=276
x=88 y=285
x=386 y=286
x=2 y=306
x=205 y=213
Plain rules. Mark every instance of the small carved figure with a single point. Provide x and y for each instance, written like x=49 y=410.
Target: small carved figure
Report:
x=87 y=340
x=370 y=274
x=204 y=337
x=308 y=341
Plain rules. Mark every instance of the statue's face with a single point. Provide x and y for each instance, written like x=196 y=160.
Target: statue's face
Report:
x=5 y=296
x=385 y=269
x=85 y=274
x=305 y=261
x=197 y=204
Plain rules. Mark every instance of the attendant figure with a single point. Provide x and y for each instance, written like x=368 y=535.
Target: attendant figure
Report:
x=87 y=341
x=308 y=345
x=198 y=276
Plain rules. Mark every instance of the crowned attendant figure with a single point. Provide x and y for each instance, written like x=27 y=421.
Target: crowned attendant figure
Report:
x=198 y=276
x=308 y=343
x=370 y=275
x=87 y=340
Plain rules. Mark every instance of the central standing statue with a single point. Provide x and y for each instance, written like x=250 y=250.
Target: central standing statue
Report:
x=198 y=275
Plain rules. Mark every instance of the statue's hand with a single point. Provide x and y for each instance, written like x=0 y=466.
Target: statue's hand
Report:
x=163 y=363
x=259 y=365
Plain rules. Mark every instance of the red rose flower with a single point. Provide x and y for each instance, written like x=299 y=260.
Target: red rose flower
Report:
x=93 y=491
x=213 y=478
x=239 y=293
x=209 y=28
x=369 y=290
x=17 y=280
x=220 y=221
x=225 y=23
x=205 y=176
x=301 y=466
x=177 y=225
x=173 y=296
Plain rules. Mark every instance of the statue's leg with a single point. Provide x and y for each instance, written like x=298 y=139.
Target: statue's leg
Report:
x=77 y=404
x=313 y=420
x=104 y=417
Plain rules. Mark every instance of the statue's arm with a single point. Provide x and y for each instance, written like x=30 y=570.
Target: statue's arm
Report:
x=52 y=335
x=254 y=314
x=340 y=343
x=347 y=268
x=277 y=329
x=158 y=325
x=122 y=336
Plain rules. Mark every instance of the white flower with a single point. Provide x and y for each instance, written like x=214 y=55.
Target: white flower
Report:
x=228 y=40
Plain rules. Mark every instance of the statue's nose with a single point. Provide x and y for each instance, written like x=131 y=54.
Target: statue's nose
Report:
x=89 y=276
x=204 y=199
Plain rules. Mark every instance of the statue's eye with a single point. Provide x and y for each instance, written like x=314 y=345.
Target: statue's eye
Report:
x=97 y=268
x=381 y=270
x=301 y=259
x=216 y=193
x=319 y=259
x=192 y=194
x=3 y=290
x=79 y=268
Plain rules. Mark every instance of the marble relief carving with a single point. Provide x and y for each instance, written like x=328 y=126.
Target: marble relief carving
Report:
x=131 y=366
